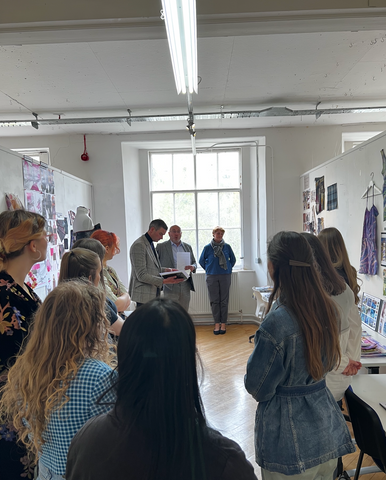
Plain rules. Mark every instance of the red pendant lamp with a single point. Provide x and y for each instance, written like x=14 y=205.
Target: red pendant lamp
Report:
x=84 y=155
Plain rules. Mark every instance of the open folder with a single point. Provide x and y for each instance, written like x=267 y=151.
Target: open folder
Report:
x=177 y=273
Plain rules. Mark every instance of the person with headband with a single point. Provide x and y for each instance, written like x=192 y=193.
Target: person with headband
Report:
x=299 y=428
x=23 y=243
x=115 y=289
x=57 y=383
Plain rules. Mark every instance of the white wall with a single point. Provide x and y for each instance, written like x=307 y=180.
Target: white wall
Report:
x=118 y=170
x=132 y=197
x=351 y=171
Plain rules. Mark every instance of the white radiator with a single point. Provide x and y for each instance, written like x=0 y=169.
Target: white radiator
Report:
x=199 y=300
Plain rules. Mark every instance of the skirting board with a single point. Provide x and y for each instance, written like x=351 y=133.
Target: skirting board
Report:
x=232 y=319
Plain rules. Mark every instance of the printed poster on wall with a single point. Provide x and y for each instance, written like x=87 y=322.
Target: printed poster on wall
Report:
x=31 y=175
x=39 y=194
x=383 y=249
x=33 y=201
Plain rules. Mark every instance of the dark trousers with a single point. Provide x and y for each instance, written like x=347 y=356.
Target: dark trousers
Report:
x=218 y=289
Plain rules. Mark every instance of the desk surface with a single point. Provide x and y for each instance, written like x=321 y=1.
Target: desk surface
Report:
x=372 y=390
x=374 y=361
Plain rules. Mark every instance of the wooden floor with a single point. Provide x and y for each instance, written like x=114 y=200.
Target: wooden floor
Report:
x=228 y=406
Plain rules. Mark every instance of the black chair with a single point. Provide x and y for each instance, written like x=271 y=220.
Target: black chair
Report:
x=368 y=432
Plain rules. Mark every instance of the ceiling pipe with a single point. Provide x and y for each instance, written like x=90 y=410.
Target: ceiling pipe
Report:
x=268 y=112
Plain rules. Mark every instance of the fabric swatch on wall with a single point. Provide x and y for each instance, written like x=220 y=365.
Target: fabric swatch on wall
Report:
x=332 y=197
x=320 y=194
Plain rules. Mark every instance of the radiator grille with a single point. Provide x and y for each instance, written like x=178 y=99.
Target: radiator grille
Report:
x=199 y=300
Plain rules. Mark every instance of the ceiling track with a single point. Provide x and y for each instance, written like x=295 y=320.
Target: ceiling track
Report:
x=129 y=119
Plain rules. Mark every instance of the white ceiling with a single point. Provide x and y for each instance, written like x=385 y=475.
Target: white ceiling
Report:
x=240 y=71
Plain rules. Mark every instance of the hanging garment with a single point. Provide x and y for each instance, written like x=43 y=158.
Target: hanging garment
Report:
x=369 y=254
x=320 y=192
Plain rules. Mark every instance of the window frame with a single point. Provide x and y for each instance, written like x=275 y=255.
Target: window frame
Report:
x=195 y=191
x=43 y=154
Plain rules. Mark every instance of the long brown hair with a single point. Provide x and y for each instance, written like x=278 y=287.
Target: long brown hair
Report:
x=79 y=263
x=333 y=241
x=69 y=327
x=298 y=284
x=332 y=282
x=17 y=229
x=95 y=246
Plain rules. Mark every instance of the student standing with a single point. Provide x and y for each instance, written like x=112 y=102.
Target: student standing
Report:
x=54 y=386
x=23 y=242
x=157 y=429
x=299 y=428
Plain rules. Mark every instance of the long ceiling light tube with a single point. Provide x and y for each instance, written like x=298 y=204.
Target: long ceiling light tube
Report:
x=181 y=28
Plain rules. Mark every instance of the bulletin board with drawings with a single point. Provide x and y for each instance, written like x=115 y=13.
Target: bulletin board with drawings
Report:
x=334 y=195
x=52 y=193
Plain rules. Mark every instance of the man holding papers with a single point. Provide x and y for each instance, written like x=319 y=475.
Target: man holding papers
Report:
x=179 y=255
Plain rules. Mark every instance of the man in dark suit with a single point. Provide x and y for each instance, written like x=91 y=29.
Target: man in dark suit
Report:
x=167 y=253
x=145 y=281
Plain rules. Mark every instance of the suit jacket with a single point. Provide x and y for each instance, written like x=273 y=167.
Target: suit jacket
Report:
x=145 y=270
x=165 y=254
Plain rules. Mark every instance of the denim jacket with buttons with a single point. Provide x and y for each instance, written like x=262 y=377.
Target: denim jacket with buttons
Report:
x=298 y=423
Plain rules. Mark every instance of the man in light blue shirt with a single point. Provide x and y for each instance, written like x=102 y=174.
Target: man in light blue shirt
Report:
x=167 y=253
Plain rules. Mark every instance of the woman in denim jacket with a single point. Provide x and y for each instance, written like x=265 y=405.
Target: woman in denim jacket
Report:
x=299 y=428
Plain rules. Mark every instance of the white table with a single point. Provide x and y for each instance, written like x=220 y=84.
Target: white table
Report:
x=372 y=390
x=373 y=363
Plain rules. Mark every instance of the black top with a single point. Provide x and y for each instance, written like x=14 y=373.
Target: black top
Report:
x=102 y=451
x=17 y=309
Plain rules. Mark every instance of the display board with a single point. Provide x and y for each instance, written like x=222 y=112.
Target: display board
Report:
x=351 y=173
x=51 y=192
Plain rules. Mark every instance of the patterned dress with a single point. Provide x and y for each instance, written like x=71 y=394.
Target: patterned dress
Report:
x=16 y=312
x=369 y=254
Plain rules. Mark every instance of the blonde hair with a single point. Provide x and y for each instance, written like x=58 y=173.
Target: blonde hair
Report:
x=17 y=229
x=218 y=229
x=333 y=241
x=69 y=327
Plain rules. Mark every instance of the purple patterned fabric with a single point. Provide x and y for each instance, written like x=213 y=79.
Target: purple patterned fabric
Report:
x=369 y=254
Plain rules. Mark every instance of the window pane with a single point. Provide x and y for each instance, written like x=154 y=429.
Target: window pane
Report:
x=183 y=171
x=189 y=237
x=229 y=209
x=228 y=170
x=233 y=237
x=206 y=170
x=161 y=172
x=185 y=211
x=163 y=207
x=207 y=206
x=204 y=237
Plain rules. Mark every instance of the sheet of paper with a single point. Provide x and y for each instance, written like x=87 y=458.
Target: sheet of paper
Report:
x=183 y=260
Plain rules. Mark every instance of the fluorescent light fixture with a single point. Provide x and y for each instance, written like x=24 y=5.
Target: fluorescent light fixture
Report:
x=181 y=28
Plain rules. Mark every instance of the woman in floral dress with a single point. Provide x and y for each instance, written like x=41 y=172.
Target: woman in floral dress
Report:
x=22 y=244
